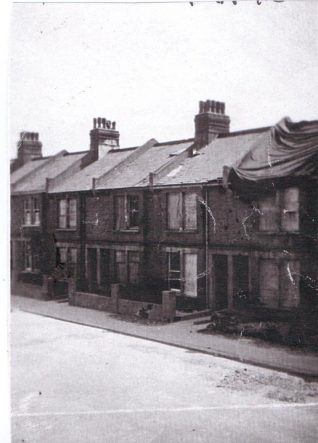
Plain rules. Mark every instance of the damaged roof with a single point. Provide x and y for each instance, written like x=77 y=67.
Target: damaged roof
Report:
x=207 y=164
x=136 y=172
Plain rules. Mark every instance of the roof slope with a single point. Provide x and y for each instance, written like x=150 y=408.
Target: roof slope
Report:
x=136 y=173
x=208 y=164
x=30 y=166
x=82 y=180
x=51 y=168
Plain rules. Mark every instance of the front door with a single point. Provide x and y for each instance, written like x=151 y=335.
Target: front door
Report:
x=92 y=269
x=220 y=281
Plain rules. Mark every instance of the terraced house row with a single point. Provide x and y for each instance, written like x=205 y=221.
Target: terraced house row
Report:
x=220 y=219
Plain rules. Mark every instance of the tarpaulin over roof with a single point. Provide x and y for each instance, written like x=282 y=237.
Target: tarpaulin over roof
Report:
x=286 y=150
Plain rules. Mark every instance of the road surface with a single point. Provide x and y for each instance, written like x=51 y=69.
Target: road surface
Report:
x=73 y=383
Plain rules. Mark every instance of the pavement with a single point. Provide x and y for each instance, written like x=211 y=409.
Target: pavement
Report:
x=72 y=383
x=183 y=334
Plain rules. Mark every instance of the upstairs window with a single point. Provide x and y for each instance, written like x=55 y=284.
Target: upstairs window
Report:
x=290 y=209
x=67 y=213
x=269 y=207
x=280 y=211
x=31 y=211
x=182 y=211
x=126 y=212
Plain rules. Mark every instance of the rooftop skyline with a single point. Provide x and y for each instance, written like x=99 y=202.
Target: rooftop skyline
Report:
x=147 y=66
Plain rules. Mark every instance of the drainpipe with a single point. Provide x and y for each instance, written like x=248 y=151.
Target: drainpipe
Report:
x=206 y=250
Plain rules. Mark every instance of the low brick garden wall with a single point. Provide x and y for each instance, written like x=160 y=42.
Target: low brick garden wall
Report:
x=116 y=304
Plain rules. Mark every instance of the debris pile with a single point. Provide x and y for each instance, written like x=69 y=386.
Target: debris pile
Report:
x=292 y=328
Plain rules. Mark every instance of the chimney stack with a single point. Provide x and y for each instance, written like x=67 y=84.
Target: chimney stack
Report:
x=29 y=147
x=210 y=121
x=104 y=136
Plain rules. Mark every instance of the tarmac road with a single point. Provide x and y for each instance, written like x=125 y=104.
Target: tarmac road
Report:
x=74 y=383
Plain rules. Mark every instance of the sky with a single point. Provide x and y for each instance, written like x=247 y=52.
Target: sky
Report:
x=146 y=66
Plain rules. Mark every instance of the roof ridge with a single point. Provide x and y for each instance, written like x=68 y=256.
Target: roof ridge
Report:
x=173 y=142
x=245 y=131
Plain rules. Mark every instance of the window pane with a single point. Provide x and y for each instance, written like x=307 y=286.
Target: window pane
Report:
x=290 y=209
x=133 y=267
x=62 y=214
x=133 y=211
x=35 y=203
x=27 y=211
x=190 y=202
x=190 y=275
x=73 y=255
x=175 y=261
x=269 y=219
x=175 y=211
x=27 y=217
x=120 y=212
x=28 y=256
x=36 y=218
x=174 y=270
x=120 y=256
x=27 y=204
x=62 y=255
x=72 y=212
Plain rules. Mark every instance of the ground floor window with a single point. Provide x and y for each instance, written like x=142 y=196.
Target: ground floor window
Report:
x=127 y=267
x=182 y=272
x=106 y=266
x=279 y=282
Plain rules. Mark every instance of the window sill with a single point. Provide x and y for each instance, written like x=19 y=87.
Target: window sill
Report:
x=24 y=225
x=66 y=229
x=279 y=232
x=33 y=271
x=182 y=231
x=133 y=231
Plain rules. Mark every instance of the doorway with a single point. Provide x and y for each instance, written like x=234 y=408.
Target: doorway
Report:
x=220 y=281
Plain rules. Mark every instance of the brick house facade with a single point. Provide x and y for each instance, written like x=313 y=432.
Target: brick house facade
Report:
x=162 y=216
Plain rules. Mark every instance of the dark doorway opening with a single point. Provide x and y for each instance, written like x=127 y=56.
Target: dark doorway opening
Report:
x=240 y=279
x=92 y=269
x=221 y=281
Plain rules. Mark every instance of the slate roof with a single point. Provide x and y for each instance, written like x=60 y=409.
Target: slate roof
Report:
x=50 y=168
x=27 y=168
x=82 y=180
x=208 y=164
x=136 y=172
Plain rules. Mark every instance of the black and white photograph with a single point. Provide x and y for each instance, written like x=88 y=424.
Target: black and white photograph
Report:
x=162 y=236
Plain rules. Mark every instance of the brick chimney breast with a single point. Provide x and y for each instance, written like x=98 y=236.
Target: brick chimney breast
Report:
x=210 y=121
x=29 y=147
x=103 y=136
